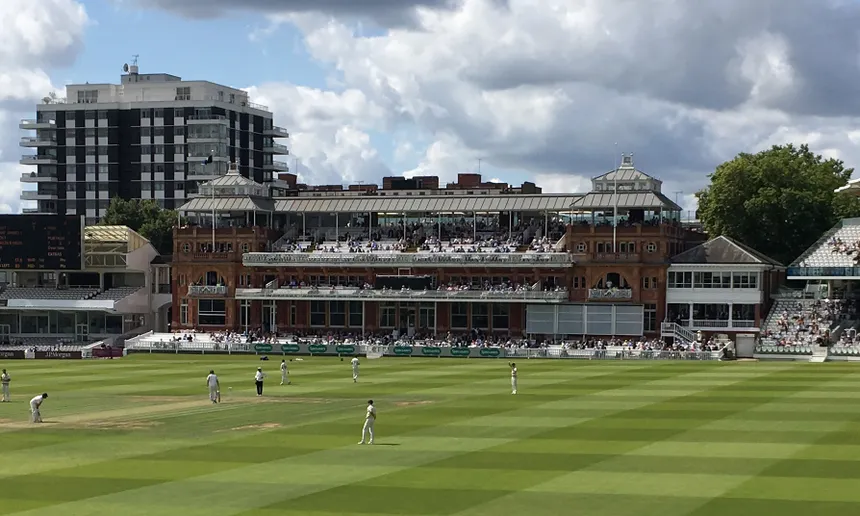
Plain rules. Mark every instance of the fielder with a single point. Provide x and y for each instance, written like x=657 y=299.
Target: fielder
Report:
x=513 y=377
x=214 y=387
x=35 y=404
x=369 y=420
x=354 y=363
x=285 y=373
x=4 y=383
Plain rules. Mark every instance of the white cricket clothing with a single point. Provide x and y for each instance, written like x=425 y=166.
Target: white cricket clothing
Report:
x=4 y=383
x=369 y=420
x=35 y=403
x=354 y=362
x=513 y=380
x=212 y=382
x=258 y=377
x=285 y=373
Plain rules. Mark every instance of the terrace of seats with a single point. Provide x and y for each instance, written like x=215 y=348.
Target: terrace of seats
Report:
x=797 y=326
x=41 y=343
x=839 y=247
x=71 y=294
x=117 y=293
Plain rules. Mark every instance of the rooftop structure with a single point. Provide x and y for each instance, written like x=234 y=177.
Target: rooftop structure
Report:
x=151 y=136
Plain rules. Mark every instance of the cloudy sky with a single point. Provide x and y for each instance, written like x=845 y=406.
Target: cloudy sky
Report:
x=550 y=91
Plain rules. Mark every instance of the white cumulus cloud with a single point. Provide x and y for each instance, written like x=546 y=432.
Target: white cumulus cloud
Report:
x=35 y=36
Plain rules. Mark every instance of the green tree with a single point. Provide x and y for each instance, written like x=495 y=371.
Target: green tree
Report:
x=147 y=218
x=778 y=201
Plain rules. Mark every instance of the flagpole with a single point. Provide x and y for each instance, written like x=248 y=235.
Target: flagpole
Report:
x=212 y=193
x=615 y=202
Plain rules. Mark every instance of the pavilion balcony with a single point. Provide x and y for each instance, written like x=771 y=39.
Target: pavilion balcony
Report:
x=387 y=259
x=208 y=290
x=715 y=324
x=607 y=257
x=667 y=228
x=610 y=294
x=355 y=294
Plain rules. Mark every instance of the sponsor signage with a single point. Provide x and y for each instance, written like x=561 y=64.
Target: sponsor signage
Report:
x=262 y=348
x=345 y=350
x=317 y=348
x=63 y=355
x=12 y=354
x=290 y=348
x=460 y=352
x=431 y=351
x=490 y=352
x=403 y=351
x=107 y=353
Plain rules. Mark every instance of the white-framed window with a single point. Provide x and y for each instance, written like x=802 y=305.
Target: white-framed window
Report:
x=580 y=247
x=317 y=313
x=337 y=314
x=387 y=315
x=651 y=247
x=459 y=315
x=745 y=280
x=183 y=311
x=680 y=279
x=211 y=312
x=649 y=322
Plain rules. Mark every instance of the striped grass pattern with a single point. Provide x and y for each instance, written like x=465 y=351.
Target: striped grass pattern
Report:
x=138 y=436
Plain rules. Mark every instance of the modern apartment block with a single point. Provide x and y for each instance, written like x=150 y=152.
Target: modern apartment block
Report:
x=148 y=137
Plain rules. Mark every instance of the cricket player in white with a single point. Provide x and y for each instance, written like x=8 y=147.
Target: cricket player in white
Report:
x=4 y=383
x=513 y=377
x=35 y=403
x=214 y=387
x=369 y=420
x=285 y=373
x=354 y=363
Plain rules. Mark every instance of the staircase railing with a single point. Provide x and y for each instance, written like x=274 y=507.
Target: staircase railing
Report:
x=676 y=330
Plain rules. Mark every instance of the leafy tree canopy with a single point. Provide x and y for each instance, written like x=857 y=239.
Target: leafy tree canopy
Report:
x=778 y=201
x=147 y=218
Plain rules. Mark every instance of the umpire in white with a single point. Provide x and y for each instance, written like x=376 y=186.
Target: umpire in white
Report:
x=258 y=379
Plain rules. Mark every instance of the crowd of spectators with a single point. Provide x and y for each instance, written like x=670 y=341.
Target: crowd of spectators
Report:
x=463 y=236
x=839 y=246
x=807 y=323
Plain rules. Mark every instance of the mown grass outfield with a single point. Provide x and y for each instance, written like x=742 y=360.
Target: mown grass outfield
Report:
x=137 y=436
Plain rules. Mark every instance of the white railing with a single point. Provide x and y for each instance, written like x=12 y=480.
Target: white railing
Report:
x=676 y=330
x=278 y=130
x=708 y=323
x=385 y=259
x=743 y=323
x=285 y=348
x=37 y=140
x=368 y=294
x=610 y=293
x=207 y=290
x=705 y=323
